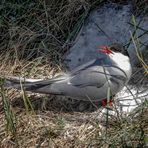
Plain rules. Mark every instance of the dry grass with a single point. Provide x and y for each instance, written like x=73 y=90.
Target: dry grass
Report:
x=34 y=37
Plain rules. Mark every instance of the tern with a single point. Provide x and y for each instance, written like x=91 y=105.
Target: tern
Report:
x=94 y=80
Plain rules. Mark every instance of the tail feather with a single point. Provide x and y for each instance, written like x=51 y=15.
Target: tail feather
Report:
x=33 y=85
x=15 y=81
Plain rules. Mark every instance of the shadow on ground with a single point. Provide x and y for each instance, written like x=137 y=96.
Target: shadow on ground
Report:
x=57 y=104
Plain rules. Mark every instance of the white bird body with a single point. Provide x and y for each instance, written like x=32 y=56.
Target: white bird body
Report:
x=90 y=81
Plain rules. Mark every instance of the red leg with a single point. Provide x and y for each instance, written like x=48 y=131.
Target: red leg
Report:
x=104 y=102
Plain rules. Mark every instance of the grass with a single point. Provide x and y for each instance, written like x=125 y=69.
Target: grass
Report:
x=34 y=36
x=9 y=116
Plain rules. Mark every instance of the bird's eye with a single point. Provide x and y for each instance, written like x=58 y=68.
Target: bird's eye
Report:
x=105 y=50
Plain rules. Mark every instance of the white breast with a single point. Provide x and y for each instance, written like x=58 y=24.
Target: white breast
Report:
x=123 y=62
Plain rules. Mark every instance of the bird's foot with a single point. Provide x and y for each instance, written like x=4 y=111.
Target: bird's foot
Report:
x=105 y=103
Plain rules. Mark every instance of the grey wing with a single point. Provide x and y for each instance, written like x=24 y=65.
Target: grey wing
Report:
x=94 y=76
x=98 y=76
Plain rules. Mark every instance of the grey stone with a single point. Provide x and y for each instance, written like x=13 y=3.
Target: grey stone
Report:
x=105 y=26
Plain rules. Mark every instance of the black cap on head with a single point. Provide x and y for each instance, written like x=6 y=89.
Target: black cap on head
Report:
x=117 y=47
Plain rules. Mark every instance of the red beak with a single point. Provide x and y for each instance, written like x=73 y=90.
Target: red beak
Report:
x=105 y=50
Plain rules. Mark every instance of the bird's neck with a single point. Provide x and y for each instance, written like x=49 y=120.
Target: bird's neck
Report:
x=123 y=62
